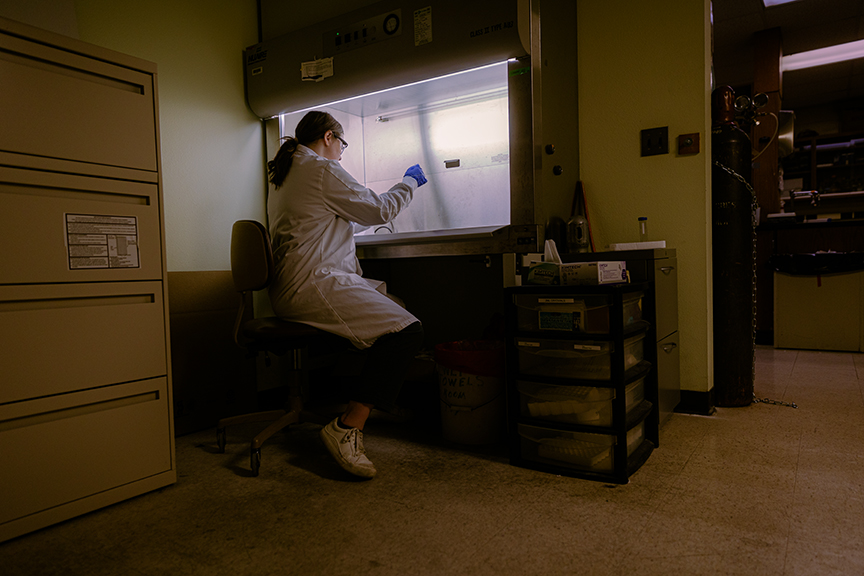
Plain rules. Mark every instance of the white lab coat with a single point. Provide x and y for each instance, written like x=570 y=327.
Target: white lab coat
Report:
x=318 y=277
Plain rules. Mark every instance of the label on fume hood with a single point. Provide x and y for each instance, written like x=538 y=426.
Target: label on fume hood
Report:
x=316 y=70
x=423 y=26
x=493 y=28
x=99 y=241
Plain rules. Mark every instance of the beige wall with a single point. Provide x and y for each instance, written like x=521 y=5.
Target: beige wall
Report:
x=212 y=145
x=53 y=15
x=644 y=65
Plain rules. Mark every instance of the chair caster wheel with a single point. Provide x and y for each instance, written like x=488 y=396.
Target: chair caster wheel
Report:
x=255 y=461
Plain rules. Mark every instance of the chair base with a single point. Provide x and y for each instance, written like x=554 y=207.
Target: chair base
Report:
x=281 y=419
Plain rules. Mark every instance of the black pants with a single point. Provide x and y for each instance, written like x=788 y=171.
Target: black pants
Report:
x=384 y=367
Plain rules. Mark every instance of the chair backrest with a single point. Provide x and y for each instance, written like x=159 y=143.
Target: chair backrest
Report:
x=251 y=256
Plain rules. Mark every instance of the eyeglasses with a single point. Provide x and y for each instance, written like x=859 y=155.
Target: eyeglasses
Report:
x=342 y=143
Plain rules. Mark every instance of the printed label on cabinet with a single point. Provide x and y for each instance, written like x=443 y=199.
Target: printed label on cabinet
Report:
x=96 y=241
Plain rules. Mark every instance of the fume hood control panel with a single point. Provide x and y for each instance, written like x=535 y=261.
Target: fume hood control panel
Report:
x=363 y=33
x=402 y=43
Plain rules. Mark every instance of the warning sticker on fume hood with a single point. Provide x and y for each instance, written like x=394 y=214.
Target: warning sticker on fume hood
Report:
x=96 y=241
x=316 y=70
x=423 y=26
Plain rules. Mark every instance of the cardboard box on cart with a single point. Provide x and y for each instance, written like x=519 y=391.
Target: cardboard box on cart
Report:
x=593 y=273
x=578 y=273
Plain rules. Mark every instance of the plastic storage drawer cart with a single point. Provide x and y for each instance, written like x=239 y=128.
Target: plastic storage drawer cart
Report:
x=581 y=384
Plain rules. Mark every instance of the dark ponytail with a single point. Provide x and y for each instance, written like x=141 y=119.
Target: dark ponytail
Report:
x=313 y=126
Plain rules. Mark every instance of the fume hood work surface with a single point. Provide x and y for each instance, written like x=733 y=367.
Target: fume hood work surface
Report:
x=419 y=84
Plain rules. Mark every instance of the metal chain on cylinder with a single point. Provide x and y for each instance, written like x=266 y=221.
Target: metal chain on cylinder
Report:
x=753 y=205
x=774 y=402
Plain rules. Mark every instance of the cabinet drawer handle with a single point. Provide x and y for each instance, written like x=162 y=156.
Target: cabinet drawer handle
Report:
x=667 y=269
x=669 y=347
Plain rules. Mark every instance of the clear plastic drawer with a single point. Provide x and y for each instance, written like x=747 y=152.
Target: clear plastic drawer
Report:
x=589 y=314
x=589 y=405
x=587 y=360
x=580 y=450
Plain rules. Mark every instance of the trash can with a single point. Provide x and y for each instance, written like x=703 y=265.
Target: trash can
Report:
x=818 y=301
x=471 y=382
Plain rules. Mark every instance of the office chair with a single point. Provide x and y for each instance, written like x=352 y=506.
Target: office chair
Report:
x=252 y=270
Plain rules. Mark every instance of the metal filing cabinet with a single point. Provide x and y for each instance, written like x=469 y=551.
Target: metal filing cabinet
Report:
x=660 y=268
x=581 y=383
x=85 y=394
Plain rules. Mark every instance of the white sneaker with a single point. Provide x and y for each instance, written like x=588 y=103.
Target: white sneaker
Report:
x=346 y=446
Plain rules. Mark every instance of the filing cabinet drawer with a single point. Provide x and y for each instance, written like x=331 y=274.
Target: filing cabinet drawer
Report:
x=64 y=448
x=666 y=290
x=74 y=107
x=60 y=338
x=65 y=228
x=668 y=376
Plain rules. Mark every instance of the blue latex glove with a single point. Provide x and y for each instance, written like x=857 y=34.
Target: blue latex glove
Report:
x=417 y=174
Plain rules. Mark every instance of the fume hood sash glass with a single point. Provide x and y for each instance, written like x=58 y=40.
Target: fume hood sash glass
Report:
x=456 y=127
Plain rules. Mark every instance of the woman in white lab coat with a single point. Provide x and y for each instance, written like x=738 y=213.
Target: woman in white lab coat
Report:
x=313 y=207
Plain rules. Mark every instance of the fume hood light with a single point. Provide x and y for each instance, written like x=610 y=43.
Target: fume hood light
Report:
x=838 y=145
x=770 y=3
x=335 y=102
x=823 y=56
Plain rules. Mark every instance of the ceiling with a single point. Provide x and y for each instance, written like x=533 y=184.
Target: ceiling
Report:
x=804 y=25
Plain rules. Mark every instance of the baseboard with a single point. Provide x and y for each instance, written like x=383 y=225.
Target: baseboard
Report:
x=692 y=402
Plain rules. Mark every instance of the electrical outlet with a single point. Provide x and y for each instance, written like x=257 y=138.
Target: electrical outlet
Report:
x=655 y=141
x=688 y=144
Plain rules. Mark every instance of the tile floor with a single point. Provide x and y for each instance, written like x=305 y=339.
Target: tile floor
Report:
x=764 y=489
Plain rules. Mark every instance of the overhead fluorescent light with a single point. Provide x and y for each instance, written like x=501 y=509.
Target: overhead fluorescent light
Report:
x=822 y=56
x=770 y=3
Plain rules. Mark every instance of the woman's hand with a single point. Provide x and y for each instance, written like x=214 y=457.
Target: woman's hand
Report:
x=417 y=173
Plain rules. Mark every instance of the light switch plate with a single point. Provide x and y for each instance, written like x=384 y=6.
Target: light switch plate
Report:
x=655 y=141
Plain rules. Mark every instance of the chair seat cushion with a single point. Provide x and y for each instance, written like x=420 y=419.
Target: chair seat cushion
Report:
x=273 y=328
x=279 y=336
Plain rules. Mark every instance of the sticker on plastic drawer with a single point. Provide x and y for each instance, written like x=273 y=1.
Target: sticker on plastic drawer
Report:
x=555 y=300
x=586 y=347
x=564 y=321
x=529 y=344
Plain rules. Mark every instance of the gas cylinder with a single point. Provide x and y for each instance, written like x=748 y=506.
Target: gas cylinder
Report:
x=734 y=258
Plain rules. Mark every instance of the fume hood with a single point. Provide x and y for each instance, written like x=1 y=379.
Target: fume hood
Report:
x=451 y=85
